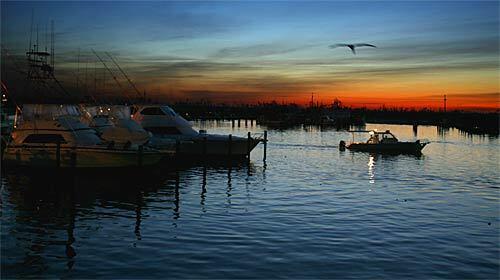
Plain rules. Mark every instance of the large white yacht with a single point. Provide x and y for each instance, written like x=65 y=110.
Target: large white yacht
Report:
x=168 y=126
x=53 y=136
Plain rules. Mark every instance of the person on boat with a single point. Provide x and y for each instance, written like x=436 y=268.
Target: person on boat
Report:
x=373 y=139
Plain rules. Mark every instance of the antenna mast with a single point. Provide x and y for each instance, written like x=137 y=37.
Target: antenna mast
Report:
x=31 y=30
x=52 y=46
x=78 y=71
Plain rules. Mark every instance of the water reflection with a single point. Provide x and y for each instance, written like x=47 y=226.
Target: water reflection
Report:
x=44 y=205
x=443 y=131
x=371 y=169
x=203 y=188
x=389 y=160
x=229 y=185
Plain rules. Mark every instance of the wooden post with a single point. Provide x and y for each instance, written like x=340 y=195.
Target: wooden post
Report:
x=265 y=145
x=232 y=122
x=239 y=122
x=230 y=142
x=73 y=157
x=139 y=153
x=248 y=145
x=246 y=122
x=204 y=147
x=58 y=154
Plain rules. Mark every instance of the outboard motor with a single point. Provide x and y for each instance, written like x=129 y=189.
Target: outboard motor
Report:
x=342 y=145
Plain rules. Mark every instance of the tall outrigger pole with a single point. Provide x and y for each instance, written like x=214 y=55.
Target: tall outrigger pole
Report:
x=124 y=74
x=109 y=70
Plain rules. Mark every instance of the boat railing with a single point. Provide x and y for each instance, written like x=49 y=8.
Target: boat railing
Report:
x=424 y=141
x=260 y=136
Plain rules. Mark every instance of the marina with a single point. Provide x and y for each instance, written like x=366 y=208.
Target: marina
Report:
x=249 y=140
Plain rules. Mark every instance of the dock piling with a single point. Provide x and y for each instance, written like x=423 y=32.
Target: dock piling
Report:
x=230 y=142
x=139 y=154
x=265 y=145
x=58 y=154
x=249 y=139
x=73 y=156
x=204 y=147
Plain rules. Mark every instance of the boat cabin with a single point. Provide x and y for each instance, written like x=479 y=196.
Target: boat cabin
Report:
x=161 y=120
x=377 y=137
x=52 y=124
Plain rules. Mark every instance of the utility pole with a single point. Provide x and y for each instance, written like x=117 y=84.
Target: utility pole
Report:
x=444 y=101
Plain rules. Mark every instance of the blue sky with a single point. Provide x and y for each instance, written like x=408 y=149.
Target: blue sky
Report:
x=278 y=48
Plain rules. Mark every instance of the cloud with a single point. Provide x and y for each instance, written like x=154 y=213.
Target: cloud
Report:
x=259 y=50
x=475 y=96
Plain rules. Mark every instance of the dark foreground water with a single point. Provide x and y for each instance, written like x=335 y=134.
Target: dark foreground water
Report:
x=310 y=212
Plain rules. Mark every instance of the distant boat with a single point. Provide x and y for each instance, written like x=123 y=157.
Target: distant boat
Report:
x=169 y=128
x=53 y=136
x=384 y=142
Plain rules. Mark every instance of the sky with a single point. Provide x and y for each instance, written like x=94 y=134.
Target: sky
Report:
x=248 y=52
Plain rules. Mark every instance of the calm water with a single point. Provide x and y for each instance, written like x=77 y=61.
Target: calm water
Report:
x=310 y=212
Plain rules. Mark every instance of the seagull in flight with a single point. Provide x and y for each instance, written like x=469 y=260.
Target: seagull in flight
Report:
x=352 y=46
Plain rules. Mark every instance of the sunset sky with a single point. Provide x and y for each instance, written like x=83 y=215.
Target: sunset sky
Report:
x=245 y=52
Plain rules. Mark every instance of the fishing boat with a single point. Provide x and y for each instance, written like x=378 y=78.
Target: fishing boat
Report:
x=170 y=129
x=50 y=135
x=383 y=142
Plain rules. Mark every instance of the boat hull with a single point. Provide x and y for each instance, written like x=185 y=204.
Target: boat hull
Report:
x=214 y=148
x=81 y=157
x=400 y=147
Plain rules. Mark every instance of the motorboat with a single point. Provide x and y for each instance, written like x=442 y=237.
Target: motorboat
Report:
x=50 y=135
x=169 y=128
x=384 y=142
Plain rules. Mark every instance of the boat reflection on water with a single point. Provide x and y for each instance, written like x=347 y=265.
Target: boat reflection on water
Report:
x=371 y=169
x=374 y=158
x=59 y=206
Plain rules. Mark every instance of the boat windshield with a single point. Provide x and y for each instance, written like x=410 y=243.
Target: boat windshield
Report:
x=48 y=111
x=388 y=138
x=168 y=110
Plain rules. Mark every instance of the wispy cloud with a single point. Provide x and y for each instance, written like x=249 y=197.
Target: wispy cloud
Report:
x=260 y=50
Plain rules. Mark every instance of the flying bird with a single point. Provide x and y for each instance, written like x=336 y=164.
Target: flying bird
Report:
x=352 y=46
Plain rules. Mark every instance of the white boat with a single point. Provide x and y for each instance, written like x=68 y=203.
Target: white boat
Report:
x=169 y=128
x=53 y=136
x=384 y=142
